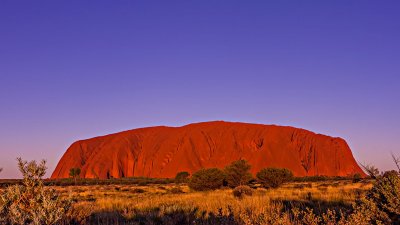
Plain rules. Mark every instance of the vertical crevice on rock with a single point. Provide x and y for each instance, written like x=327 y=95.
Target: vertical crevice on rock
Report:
x=82 y=155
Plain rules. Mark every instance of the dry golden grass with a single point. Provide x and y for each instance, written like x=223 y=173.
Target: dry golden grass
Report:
x=131 y=200
x=344 y=191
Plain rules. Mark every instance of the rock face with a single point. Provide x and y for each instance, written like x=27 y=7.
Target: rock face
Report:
x=164 y=151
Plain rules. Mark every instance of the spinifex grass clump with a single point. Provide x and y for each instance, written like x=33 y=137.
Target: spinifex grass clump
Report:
x=31 y=202
x=241 y=191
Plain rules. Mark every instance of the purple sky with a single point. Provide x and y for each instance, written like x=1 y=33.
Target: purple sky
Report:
x=76 y=69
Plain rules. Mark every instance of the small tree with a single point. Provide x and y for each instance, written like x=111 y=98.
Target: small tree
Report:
x=357 y=177
x=182 y=177
x=74 y=173
x=31 y=202
x=274 y=177
x=238 y=173
x=372 y=171
x=207 y=179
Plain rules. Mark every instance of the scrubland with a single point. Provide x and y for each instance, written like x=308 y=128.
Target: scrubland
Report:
x=209 y=196
x=292 y=203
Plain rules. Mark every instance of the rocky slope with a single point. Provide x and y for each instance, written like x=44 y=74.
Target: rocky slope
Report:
x=164 y=151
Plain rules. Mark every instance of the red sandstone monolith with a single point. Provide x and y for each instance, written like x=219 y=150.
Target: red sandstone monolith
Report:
x=164 y=151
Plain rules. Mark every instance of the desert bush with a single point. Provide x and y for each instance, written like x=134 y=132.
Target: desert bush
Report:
x=312 y=178
x=207 y=179
x=182 y=177
x=31 y=202
x=319 y=178
x=238 y=173
x=386 y=195
x=241 y=191
x=372 y=171
x=176 y=190
x=357 y=178
x=381 y=204
x=274 y=177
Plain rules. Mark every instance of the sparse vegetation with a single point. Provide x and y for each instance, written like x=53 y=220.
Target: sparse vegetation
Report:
x=274 y=177
x=382 y=203
x=238 y=173
x=176 y=190
x=357 y=178
x=143 y=181
x=74 y=173
x=312 y=201
x=396 y=161
x=32 y=202
x=106 y=204
x=138 y=191
x=241 y=191
x=207 y=179
x=372 y=171
x=182 y=177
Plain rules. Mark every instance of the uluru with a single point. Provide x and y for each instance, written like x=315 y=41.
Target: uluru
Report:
x=163 y=151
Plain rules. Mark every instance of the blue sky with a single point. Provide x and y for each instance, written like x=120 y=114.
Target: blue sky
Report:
x=72 y=70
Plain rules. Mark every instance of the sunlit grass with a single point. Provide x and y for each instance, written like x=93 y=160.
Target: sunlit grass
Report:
x=131 y=200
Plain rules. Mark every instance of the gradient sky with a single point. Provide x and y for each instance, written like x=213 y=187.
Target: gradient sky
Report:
x=72 y=70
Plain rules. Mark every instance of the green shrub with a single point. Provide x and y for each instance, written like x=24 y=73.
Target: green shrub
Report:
x=241 y=191
x=357 y=178
x=207 y=179
x=238 y=173
x=31 y=202
x=74 y=173
x=274 y=177
x=182 y=177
